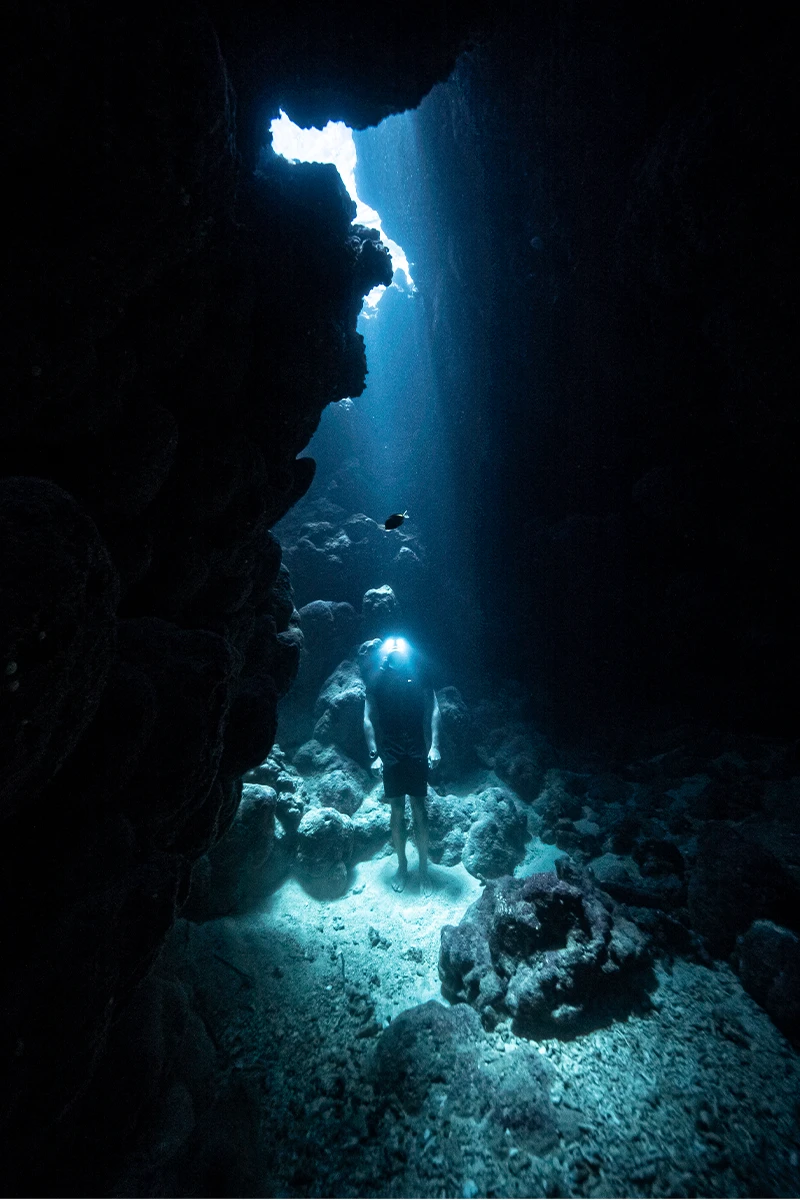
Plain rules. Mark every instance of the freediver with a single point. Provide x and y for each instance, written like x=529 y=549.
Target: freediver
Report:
x=401 y=718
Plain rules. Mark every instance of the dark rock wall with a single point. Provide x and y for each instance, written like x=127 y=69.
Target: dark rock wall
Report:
x=601 y=244
x=173 y=326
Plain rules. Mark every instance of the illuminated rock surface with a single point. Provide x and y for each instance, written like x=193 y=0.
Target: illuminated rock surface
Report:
x=548 y=949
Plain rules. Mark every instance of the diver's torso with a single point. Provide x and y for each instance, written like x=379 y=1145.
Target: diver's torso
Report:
x=400 y=703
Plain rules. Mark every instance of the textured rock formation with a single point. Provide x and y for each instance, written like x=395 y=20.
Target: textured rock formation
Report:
x=449 y=821
x=339 y=711
x=550 y=950
x=495 y=844
x=174 y=323
x=434 y=1052
x=325 y=844
x=622 y=878
x=518 y=755
x=324 y=544
x=734 y=882
x=329 y=631
x=768 y=962
x=380 y=610
x=456 y=734
x=58 y=620
x=236 y=871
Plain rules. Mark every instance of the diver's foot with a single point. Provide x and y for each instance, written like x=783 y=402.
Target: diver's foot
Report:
x=400 y=880
x=426 y=884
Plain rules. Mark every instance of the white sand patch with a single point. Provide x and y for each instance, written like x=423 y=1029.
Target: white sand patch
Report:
x=374 y=932
x=539 y=856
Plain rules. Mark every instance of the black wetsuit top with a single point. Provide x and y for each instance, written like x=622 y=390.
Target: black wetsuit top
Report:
x=400 y=700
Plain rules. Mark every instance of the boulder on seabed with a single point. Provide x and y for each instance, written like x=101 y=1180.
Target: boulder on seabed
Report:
x=495 y=844
x=338 y=789
x=324 y=848
x=456 y=734
x=622 y=877
x=237 y=870
x=562 y=798
x=371 y=828
x=339 y=711
x=329 y=630
x=449 y=821
x=330 y=779
x=275 y=772
x=549 y=950
x=434 y=1049
x=327 y=621
x=519 y=757
x=768 y=962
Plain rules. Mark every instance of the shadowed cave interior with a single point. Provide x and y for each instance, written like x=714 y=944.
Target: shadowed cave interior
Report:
x=582 y=392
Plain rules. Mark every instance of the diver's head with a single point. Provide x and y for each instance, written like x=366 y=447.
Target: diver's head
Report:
x=395 y=654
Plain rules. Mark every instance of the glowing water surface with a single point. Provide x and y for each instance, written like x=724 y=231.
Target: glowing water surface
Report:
x=334 y=144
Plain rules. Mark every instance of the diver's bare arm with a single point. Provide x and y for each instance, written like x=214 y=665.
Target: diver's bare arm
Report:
x=369 y=728
x=435 y=719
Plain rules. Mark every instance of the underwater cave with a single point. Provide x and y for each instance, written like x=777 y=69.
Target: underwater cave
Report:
x=399 y=763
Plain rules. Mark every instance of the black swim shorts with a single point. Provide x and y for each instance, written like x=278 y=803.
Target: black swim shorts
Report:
x=407 y=777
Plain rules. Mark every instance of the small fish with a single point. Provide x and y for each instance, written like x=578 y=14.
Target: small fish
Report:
x=395 y=520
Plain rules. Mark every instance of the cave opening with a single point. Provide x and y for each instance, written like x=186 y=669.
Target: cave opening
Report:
x=334 y=144
x=390 y=449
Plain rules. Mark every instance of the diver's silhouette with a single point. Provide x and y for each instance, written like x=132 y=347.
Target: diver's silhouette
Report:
x=401 y=719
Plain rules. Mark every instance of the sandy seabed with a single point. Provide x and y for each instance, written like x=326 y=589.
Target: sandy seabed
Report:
x=697 y=1096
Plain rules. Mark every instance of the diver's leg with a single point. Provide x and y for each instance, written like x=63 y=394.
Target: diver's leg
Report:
x=420 y=815
x=398 y=804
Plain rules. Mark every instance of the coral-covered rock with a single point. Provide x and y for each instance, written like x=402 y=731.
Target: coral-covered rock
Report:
x=58 y=605
x=432 y=1047
x=496 y=841
x=735 y=881
x=549 y=950
x=339 y=711
x=236 y=871
x=324 y=846
x=449 y=821
x=456 y=734
x=768 y=961
x=371 y=828
x=622 y=878
x=380 y=611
